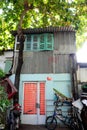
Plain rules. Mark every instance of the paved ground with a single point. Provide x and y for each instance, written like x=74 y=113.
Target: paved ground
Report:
x=38 y=127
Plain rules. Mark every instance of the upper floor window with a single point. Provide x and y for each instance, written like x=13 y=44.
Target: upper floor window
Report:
x=37 y=42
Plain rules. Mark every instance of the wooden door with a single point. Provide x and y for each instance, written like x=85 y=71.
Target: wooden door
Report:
x=34 y=103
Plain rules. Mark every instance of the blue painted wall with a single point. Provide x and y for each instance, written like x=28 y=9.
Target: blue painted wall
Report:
x=61 y=82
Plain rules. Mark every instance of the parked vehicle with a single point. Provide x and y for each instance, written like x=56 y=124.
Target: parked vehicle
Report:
x=77 y=109
x=72 y=119
x=13 y=118
x=84 y=109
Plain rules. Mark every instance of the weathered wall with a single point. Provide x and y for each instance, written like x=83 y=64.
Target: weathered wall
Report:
x=45 y=62
x=56 y=61
x=64 y=42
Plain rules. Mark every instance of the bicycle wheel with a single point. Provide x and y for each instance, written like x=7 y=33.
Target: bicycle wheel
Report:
x=80 y=125
x=75 y=124
x=51 y=123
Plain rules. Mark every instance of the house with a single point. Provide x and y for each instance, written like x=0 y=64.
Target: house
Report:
x=48 y=62
x=81 y=76
x=6 y=58
x=82 y=73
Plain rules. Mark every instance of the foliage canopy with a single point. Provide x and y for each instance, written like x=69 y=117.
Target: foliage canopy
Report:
x=43 y=13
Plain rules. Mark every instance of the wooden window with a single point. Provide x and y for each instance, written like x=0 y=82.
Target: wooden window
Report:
x=35 y=42
x=28 y=42
x=42 y=42
x=38 y=42
x=49 y=42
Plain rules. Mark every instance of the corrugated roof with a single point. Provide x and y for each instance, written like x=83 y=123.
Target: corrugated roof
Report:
x=45 y=30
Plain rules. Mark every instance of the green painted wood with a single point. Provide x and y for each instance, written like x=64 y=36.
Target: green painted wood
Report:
x=38 y=42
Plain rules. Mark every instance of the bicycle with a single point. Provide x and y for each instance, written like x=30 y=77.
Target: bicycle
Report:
x=69 y=120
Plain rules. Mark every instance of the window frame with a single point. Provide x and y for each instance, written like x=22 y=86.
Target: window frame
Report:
x=45 y=44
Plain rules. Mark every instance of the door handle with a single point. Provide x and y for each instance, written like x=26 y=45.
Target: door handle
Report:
x=37 y=105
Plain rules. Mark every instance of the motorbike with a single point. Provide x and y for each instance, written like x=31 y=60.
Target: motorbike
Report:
x=81 y=105
x=84 y=110
x=17 y=113
x=77 y=111
x=13 y=117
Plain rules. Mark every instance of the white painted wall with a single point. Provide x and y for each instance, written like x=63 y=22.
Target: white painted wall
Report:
x=82 y=74
x=4 y=57
x=2 y=62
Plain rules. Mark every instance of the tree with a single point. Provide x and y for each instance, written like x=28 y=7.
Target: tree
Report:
x=39 y=13
x=21 y=40
x=44 y=13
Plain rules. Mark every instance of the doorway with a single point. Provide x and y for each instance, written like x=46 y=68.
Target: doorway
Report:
x=33 y=103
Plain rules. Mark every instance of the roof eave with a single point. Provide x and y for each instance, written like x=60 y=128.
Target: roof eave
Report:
x=45 y=30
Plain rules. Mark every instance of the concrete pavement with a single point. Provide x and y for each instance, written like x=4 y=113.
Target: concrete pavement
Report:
x=39 y=127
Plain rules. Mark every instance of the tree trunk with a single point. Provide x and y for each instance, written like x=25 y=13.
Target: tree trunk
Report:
x=20 y=60
x=27 y=7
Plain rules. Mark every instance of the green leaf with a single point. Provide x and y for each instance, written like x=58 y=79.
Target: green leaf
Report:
x=44 y=13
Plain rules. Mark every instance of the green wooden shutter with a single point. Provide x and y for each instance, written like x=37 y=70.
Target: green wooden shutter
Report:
x=35 y=42
x=49 y=41
x=28 y=42
x=42 y=42
x=8 y=64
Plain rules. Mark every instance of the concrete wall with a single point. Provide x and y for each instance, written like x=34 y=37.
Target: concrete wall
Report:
x=61 y=82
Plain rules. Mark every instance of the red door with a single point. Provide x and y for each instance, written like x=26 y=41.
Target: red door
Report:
x=42 y=99
x=30 y=98
x=34 y=103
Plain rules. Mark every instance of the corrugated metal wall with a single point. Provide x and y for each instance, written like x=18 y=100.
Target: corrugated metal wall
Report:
x=56 y=61
x=64 y=42
x=45 y=62
x=62 y=63
x=37 y=62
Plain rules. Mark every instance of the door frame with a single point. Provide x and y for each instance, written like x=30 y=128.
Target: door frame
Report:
x=38 y=119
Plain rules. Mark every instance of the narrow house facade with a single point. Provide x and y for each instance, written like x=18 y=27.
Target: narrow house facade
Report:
x=48 y=61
